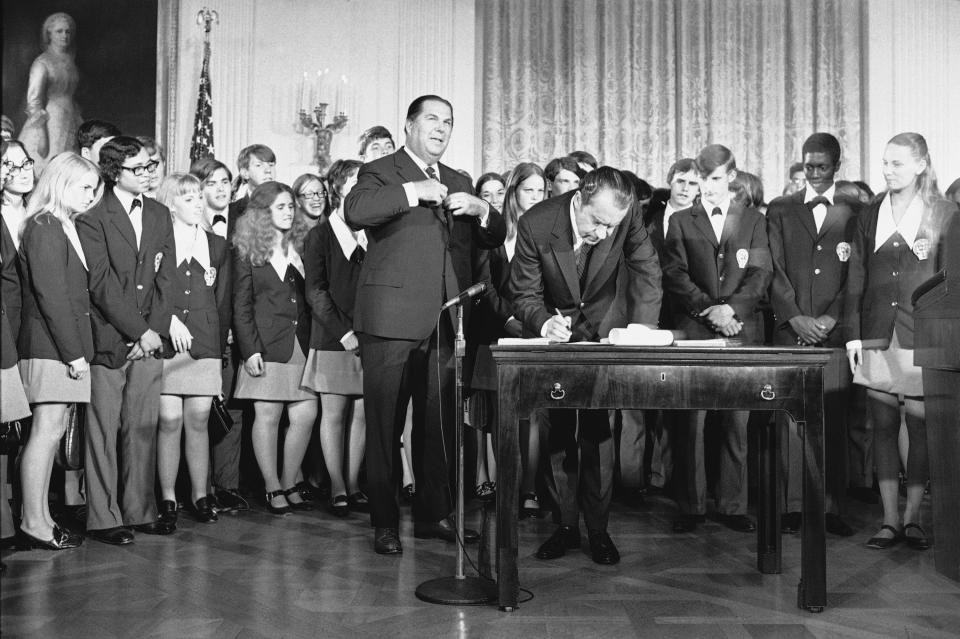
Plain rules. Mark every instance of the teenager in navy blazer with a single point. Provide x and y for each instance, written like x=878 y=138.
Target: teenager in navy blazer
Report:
x=423 y=235
x=716 y=286
x=271 y=325
x=197 y=293
x=56 y=339
x=898 y=246
x=128 y=239
x=333 y=256
x=810 y=234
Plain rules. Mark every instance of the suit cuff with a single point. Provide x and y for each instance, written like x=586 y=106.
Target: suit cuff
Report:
x=854 y=343
x=346 y=336
x=411 y=191
x=485 y=218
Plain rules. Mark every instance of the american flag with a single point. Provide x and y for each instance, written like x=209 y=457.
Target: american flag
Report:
x=201 y=145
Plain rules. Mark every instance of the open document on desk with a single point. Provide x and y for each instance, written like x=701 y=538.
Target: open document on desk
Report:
x=632 y=335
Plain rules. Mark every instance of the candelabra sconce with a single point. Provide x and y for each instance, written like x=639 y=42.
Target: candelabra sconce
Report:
x=313 y=124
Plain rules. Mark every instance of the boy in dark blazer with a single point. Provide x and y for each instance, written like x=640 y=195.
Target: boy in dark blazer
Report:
x=811 y=233
x=569 y=252
x=716 y=268
x=127 y=238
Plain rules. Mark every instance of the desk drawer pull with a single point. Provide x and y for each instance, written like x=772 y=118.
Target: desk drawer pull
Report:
x=767 y=393
x=557 y=393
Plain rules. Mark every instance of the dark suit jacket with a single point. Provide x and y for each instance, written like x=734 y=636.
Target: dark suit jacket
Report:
x=653 y=221
x=809 y=267
x=488 y=324
x=205 y=307
x=331 y=282
x=235 y=211
x=56 y=310
x=9 y=298
x=543 y=274
x=699 y=272
x=880 y=283
x=268 y=311
x=415 y=255
x=122 y=276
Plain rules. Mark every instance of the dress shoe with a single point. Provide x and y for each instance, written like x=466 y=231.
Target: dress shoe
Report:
x=231 y=500
x=790 y=522
x=602 y=549
x=60 y=540
x=486 y=491
x=301 y=503
x=280 y=511
x=919 y=541
x=204 y=512
x=564 y=538
x=118 y=535
x=882 y=543
x=685 y=523
x=740 y=523
x=386 y=541
x=837 y=526
x=339 y=506
x=308 y=492
x=444 y=530
x=168 y=512
x=155 y=528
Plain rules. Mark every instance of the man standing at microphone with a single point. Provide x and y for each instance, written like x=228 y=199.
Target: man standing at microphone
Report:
x=424 y=229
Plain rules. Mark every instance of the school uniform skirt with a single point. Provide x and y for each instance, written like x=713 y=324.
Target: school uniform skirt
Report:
x=891 y=370
x=334 y=372
x=184 y=375
x=279 y=383
x=48 y=380
x=13 y=400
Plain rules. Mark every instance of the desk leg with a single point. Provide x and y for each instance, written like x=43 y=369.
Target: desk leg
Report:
x=812 y=591
x=768 y=496
x=508 y=488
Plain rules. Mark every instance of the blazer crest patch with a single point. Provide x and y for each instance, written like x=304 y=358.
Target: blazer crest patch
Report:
x=921 y=248
x=156 y=261
x=843 y=251
x=743 y=256
x=210 y=276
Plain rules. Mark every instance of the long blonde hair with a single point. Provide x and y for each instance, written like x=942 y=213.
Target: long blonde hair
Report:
x=61 y=173
x=926 y=181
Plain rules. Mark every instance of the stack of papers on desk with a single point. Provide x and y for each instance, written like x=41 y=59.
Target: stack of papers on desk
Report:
x=640 y=335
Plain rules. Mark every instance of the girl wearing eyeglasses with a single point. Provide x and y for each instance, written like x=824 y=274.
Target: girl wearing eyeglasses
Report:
x=311 y=198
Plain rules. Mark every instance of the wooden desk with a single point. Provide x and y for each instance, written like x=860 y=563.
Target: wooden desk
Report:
x=746 y=378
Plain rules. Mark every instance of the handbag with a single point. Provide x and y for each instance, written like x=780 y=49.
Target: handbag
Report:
x=70 y=450
x=221 y=422
x=13 y=435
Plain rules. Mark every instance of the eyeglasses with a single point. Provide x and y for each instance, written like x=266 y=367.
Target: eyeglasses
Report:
x=16 y=168
x=314 y=194
x=139 y=171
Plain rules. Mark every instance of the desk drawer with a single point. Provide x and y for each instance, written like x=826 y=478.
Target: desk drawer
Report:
x=668 y=386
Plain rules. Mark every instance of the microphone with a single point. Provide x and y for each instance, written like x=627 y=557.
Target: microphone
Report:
x=473 y=291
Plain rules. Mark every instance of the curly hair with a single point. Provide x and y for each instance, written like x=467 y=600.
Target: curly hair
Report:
x=114 y=153
x=255 y=236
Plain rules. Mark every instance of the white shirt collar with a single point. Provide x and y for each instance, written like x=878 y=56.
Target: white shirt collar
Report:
x=126 y=198
x=70 y=230
x=577 y=240
x=13 y=218
x=423 y=165
x=668 y=210
x=280 y=262
x=811 y=193
x=221 y=227
x=909 y=224
x=191 y=243
x=717 y=224
x=345 y=237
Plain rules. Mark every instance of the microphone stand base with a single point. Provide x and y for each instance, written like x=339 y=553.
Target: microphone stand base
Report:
x=451 y=591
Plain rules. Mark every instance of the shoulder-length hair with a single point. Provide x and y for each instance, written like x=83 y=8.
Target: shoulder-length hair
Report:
x=305 y=179
x=337 y=176
x=7 y=144
x=511 y=208
x=255 y=236
x=926 y=181
x=62 y=173
x=174 y=185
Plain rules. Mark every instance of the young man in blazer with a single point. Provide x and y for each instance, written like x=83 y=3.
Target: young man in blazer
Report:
x=811 y=234
x=127 y=238
x=563 y=280
x=424 y=228
x=716 y=268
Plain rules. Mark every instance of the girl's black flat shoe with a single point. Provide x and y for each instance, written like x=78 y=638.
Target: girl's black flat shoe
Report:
x=282 y=511
x=882 y=543
x=62 y=540
x=298 y=505
x=339 y=506
x=919 y=541
x=204 y=512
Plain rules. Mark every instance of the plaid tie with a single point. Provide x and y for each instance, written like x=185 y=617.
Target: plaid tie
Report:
x=583 y=256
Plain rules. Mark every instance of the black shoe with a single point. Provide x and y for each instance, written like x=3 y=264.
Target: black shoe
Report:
x=444 y=530
x=281 y=511
x=739 y=523
x=118 y=535
x=837 y=526
x=168 y=512
x=564 y=538
x=864 y=494
x=790 y=522
x=204 y=512
x=155 y=528
x=359 y=502
x=308 y=492
x=386 y=541
x=920 y=541
x=486 y=491
x=602 y=549
x=406 y=493
x=530 y=511
x=298 y=505
x=685 y=523
x=231 y=500
x=60 y=540
x=340 y=507
x=882 y=543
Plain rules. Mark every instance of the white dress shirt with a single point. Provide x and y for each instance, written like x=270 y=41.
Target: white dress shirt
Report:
x=136 y=218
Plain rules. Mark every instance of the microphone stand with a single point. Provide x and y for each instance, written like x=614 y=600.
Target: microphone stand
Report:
x=460 y=589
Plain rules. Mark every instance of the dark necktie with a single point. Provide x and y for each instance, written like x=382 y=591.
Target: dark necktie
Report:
x=716 y=211
x=217 y=219
x=134 y=207
x=583 y=256
x=812 y=204
x=357 y=256
x=432 y=174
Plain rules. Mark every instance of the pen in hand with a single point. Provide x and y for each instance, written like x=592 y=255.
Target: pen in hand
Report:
x=565 y=320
